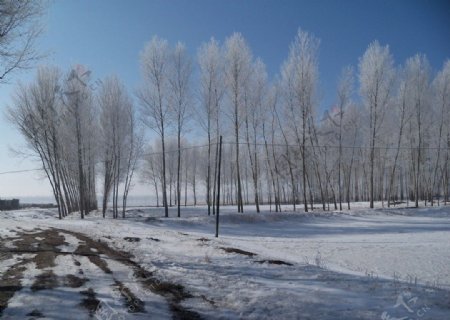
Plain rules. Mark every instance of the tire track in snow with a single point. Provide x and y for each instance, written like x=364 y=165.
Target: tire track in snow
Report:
x=69 y=273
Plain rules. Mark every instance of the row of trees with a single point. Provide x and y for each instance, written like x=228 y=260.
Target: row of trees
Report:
x=390 y=142
x=75 y=133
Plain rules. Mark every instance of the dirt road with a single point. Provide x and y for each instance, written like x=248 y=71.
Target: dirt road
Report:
x=59 y=274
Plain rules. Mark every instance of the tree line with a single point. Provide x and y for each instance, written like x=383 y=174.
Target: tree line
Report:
x=386 y=139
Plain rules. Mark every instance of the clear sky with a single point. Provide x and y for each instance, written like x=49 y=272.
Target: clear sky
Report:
x=107 y=36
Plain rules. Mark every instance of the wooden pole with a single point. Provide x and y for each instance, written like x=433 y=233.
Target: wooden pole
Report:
x=218 y=188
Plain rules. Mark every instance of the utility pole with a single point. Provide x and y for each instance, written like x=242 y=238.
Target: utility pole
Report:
x=218 y=188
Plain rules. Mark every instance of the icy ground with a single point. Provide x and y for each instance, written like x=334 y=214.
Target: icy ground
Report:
x=359 y=264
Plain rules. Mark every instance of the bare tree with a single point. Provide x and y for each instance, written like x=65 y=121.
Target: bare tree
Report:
x=19 y=30
x=254 y=113
x=441 y=90
x=402 y=116
x=78 y=102
x=151 y=170
x=238 y=62
x=418 y=90
x=154 y=95
x=55 y=116
x=179 y=83
x=376 y=75
x=134 y=146
x=352 y=123
x=119 y=140
x=211 y=92
x=345 y=90
x=299 y=81
x=271 y=156
x=36 y=112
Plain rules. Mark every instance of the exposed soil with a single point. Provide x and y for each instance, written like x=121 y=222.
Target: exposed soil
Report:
x=46 y=280
x=10 y=283
x=73 y=281
x=277 y=262
x=180 y=313
x=238 y=251
x=131 y=302
x=132 y=239
x=35 y=314
x=90 y=302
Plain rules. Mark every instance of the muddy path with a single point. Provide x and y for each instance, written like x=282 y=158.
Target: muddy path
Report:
x=60 y=274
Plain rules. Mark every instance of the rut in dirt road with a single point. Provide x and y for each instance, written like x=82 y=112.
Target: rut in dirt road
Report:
x=61 y=274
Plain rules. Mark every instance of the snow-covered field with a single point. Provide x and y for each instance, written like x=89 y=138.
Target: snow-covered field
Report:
x=358 y=264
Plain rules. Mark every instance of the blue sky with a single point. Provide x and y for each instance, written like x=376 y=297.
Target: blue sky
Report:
x=107 y=36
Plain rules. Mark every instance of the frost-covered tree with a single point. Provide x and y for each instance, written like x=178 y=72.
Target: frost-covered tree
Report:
x=400 y=115
x=134 y=142
x=417 y=73
x=36 y=112
x=154 y=97
x=394 y=143
x=353 y=139
x=55 y=115
x=345 y=90
x=211 y=90
x=80 y=133
x=254 y=116
x=376 y=76
x=441 y=94
x=270 y=132
x=152 y=168
x=120 y=142
x=299 y=76
x=238 y=66
x=180 y=72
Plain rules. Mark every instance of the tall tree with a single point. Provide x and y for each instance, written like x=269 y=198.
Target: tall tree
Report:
x=36 y=112
x=345 y=90
x=238 y=63
x=299 y=76
x=180 y=98
x=154 y=95
x=134 y=142
x=78 y=103
x=402 y=116
x=418 y=90
x=376 y=75
x=254 y=116
x=211 y=92
x=55 y=115
x=441 y=90
x=118 y=139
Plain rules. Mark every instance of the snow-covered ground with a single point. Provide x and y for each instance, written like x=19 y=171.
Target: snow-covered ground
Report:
x=358 y=264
